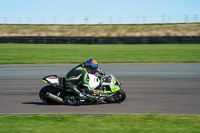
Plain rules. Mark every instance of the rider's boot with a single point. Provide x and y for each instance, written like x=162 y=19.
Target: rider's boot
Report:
x=97 y=93
x=82 y=97
x=71 y=100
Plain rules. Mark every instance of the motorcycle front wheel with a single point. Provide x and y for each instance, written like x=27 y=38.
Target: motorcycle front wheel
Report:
x=119 y=97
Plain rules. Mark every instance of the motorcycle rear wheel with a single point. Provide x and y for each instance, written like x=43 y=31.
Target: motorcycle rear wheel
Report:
x=50 y=89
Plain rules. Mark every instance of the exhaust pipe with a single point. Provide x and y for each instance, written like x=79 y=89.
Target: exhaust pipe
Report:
x=54 y=97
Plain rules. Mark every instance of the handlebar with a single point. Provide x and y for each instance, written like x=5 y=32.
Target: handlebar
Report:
x=101 y=72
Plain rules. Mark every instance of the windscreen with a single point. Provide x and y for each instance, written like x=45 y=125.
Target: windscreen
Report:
x=108 y=78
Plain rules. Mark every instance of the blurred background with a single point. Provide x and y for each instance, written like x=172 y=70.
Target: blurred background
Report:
x=93 y=18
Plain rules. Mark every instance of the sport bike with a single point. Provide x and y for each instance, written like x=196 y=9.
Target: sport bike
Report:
x=56 y=92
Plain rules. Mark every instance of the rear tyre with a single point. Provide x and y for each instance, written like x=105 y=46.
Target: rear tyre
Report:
x=50 y=89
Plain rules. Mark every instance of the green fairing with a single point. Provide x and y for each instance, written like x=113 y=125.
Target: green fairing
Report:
x=113 y=89
x=115 y=79
x=45 y=81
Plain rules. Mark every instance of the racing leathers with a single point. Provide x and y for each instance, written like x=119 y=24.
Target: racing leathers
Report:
x=78 y=78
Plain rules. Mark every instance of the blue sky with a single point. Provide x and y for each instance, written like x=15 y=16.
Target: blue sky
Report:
x=98 y=11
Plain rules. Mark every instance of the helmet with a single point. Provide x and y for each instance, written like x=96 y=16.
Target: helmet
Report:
x=91 y=66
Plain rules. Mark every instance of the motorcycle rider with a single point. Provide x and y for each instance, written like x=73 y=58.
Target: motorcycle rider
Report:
x=78 y=77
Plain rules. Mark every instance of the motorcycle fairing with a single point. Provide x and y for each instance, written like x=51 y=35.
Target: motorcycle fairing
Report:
x=111 y=84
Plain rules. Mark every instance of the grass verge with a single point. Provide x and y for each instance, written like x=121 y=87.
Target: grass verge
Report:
x=118 y=53
x=108 y=123
x=112 y=30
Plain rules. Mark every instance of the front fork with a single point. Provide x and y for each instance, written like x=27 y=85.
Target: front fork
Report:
x=107 y=96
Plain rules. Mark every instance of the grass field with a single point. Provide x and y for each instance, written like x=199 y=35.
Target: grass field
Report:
x=97 y=124
x=118 y=53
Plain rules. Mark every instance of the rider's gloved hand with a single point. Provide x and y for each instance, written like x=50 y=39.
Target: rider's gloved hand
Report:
x=100 y=71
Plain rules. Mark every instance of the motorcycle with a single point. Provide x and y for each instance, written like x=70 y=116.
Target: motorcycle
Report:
x=56 y=92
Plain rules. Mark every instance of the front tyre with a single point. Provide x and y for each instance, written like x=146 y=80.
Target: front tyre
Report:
x=43 y=96
x=119 y=97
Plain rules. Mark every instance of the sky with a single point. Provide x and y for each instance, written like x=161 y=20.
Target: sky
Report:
x=98 y=11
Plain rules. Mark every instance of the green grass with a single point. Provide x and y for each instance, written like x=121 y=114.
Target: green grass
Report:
x=118 y=53
x=97 y=124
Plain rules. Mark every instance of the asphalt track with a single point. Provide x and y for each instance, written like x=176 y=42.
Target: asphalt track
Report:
x=161 y=88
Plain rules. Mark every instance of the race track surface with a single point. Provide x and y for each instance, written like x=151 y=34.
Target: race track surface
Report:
x=151 y=88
